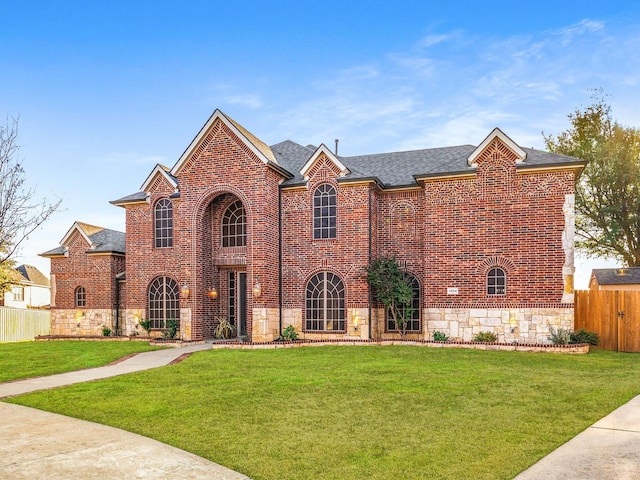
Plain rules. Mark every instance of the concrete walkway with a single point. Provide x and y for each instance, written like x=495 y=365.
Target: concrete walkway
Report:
x=37 y=444
x=607 y=450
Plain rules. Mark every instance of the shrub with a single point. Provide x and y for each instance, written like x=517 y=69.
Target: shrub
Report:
x=146 y=326
x=172 y=329
x=560 y=336
x=583 y=336
x=289 y=334
x=440 y=337
x=106 y=331
x=485 y=337
x=224 y=329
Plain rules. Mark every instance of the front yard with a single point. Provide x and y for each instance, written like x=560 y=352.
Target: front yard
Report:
x=361 y=412
x=36 y=359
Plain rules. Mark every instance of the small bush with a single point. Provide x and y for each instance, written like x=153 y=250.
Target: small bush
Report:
x=485 y=337
x=561 y=336
x=440 y=337
x=146 y=326
x=172 y=329
x=224 y=329
x=289 y=334
x=583 y=336
x=106 y=331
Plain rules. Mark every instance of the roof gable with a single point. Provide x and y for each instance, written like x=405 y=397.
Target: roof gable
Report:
x=162 y=171
x=257 y=146
x=496 y=134
x=320 y=151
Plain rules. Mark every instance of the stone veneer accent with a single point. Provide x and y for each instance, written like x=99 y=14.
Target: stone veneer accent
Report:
x=523 y=325
x=81 y=322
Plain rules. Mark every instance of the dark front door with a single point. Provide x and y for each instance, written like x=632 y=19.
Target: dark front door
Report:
x=237 y=301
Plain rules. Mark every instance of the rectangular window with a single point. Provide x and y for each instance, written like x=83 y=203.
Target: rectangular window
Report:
x=18 y=294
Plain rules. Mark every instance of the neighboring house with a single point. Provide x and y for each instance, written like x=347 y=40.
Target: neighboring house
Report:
x=625 y=278
x=31 y=289
x=271 y=236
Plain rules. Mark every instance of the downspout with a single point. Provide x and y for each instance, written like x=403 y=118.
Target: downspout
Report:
x=370 y=253
x=117 y=306
x=279 y=261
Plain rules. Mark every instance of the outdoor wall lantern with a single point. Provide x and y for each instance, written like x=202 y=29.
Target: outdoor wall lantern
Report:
x=184 y=291
x=356 y=320
x=257 y=289
x=213 y=292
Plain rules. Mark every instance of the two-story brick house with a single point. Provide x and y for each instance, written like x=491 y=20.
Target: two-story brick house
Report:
x=271 y=236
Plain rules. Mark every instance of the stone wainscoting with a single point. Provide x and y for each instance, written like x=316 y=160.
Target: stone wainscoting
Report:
x=530 y=325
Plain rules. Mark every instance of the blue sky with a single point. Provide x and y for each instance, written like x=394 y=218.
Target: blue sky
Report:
x=105 y=90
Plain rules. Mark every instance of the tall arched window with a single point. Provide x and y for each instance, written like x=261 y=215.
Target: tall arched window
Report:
x=496 y=282
x=163 y=302
x=80 y=297
x=413 y=320
x=163 y=220
x=234 y=226
x=325 y=303
x=324 y=212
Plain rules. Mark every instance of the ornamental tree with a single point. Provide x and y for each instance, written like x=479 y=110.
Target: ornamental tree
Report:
x=392 y=287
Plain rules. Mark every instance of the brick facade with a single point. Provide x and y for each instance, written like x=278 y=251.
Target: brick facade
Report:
x=507 y=208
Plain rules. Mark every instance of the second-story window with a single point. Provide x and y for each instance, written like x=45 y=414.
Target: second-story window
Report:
x=163 y=218
x=324 y=212
x=234 y=226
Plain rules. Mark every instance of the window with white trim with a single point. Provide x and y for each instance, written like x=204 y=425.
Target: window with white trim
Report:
x=163 y=302
x=163 y=221
x=80 y=296
x=234 y=226
x=324 y=212
x=325 y=310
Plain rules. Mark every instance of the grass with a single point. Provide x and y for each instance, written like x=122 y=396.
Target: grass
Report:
x=361 y=412
x=36 y=359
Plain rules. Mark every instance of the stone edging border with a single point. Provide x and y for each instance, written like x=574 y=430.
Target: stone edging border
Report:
x=517 y=347
x=581 y=348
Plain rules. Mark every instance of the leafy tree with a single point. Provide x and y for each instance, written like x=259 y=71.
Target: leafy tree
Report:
x=608 y=191
x=20 y=213
x=392 y=287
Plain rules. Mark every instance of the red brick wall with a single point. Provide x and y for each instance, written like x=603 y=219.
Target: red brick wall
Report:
x=347 y=255
x=222 y=169
x=96 y=273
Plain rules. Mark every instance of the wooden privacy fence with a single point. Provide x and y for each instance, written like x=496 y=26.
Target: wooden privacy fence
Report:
x=19 y=325
x=612 y=314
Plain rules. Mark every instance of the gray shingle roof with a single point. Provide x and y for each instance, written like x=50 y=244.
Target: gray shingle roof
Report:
x=617 y=276
x=103 y=240
x=396 y=169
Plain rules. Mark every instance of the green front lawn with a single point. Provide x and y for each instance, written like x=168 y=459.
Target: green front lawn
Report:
x=36 y=359
x=361 y=412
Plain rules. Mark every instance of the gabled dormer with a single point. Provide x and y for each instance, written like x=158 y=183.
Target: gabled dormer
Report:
x=321 y=154
x=496 y=144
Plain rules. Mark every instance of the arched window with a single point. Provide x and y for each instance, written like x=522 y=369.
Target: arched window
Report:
x=324 y=212
x=413 y=320
x=496 y=282
x=163 y=302
x=325 y=303
x=80 y=297
x=163 y=219
x=234 y=226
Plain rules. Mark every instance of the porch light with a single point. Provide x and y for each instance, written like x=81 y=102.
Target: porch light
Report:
x=184 y=291
x=512 y=321
x=257 y=289
x=356 y=321
x=213 y=293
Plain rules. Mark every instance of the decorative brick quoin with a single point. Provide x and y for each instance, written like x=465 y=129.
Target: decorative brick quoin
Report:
x=271 y=236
